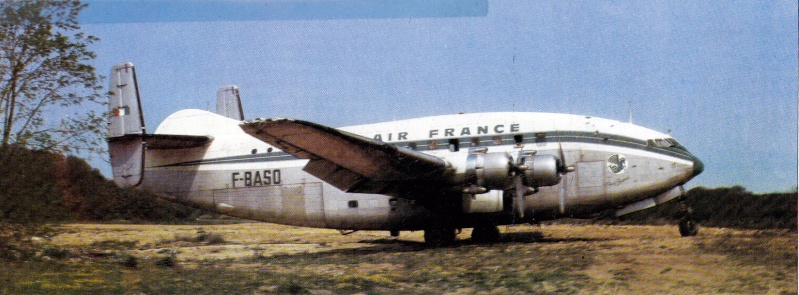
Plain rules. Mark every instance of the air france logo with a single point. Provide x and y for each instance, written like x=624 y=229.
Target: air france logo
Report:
x=617 y=163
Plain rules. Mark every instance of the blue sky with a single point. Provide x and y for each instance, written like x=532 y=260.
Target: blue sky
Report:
x=721 y=76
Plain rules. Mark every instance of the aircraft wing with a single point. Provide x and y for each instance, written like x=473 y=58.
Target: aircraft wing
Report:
x=350 y=162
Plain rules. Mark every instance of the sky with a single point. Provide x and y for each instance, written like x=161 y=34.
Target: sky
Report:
x=720 y=77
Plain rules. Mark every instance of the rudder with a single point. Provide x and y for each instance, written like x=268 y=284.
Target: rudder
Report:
x=228 y=103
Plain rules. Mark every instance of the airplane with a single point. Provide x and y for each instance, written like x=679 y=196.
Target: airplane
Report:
x=437 y=174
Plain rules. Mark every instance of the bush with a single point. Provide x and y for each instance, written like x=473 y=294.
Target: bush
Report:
x=727 y=207
x=166 y=261
x=292 y=287
x=42 y=187
x=130 y=261
x=209 y=238
x=55 y=252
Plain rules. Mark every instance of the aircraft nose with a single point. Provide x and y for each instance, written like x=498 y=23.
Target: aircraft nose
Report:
x=698 y=166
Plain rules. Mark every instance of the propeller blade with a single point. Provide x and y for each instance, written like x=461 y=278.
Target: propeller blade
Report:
x=562 y=164
x=520 y=192
x=564 y=186
x=563 y=169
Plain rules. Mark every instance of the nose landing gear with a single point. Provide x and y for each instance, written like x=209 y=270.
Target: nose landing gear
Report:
x=688 y=227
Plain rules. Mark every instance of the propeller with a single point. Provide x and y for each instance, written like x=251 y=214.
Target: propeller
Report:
x=522 y=190
x=518 y=181
x=563 y=169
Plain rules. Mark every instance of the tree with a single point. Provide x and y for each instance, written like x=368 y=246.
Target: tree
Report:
x=45 y=72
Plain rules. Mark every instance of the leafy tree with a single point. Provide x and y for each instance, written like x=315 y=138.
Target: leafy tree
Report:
x=44 y=67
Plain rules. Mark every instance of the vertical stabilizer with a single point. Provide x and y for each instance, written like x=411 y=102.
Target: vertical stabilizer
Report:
x=125 y=127
x=228 y=103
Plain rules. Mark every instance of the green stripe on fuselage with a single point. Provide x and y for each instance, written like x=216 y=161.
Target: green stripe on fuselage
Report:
x=465 y=142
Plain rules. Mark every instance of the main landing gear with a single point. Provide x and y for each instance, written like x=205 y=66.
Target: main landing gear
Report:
x=438 y=237
x=485 y=234
x=688 y=227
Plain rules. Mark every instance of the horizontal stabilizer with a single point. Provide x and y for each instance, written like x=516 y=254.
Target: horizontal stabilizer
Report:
x=169 y=141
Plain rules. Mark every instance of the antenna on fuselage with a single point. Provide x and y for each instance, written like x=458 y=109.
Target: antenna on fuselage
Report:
x=630 y=111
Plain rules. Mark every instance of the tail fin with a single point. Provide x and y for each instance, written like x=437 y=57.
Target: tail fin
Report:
x=126 y=130
x=228 y=103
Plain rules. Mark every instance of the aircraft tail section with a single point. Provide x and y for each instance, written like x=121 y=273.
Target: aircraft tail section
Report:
x=126 y=130
x=228 y=103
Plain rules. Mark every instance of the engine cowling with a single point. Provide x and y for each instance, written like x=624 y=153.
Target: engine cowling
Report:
x=540 y=170
x=489 y=171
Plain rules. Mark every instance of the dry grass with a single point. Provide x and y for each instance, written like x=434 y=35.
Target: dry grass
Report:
x=259 y=258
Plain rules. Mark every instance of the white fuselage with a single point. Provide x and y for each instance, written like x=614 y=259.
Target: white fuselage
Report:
x=615 y=165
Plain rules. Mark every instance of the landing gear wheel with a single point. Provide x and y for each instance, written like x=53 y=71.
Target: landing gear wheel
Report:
x=439 y=237
x=485 y=234
x=688 y=228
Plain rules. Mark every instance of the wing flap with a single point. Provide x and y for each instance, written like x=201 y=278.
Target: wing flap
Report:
x=350 y=162
x=333 y=174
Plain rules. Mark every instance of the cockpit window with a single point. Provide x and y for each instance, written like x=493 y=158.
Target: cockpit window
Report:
x=675 y=144
x=659 y=142
x=665 y=143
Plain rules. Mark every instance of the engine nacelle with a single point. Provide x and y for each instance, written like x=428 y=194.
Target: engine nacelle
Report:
x=490 y=171
x=540 y=170
x=479 y=172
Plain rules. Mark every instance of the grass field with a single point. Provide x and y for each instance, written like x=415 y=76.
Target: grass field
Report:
x=259 y=258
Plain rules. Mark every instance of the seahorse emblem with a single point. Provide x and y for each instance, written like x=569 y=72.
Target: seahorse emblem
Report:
x=617 y=163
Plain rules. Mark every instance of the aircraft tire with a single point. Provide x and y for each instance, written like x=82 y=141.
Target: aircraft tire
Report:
x=688 y=228
x=438 y=237
x=485 y=234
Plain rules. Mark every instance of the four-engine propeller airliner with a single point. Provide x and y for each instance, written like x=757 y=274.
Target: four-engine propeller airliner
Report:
x=437 y=174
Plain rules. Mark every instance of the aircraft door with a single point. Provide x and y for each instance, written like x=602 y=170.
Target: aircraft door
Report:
x=590 y=178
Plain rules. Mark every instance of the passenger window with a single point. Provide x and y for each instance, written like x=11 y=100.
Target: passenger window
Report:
x=454 y=145
x=433 y=144
x=475 y=141
x=497 y=140
x=540 y=137
x=412 y=145
x=518 y=138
